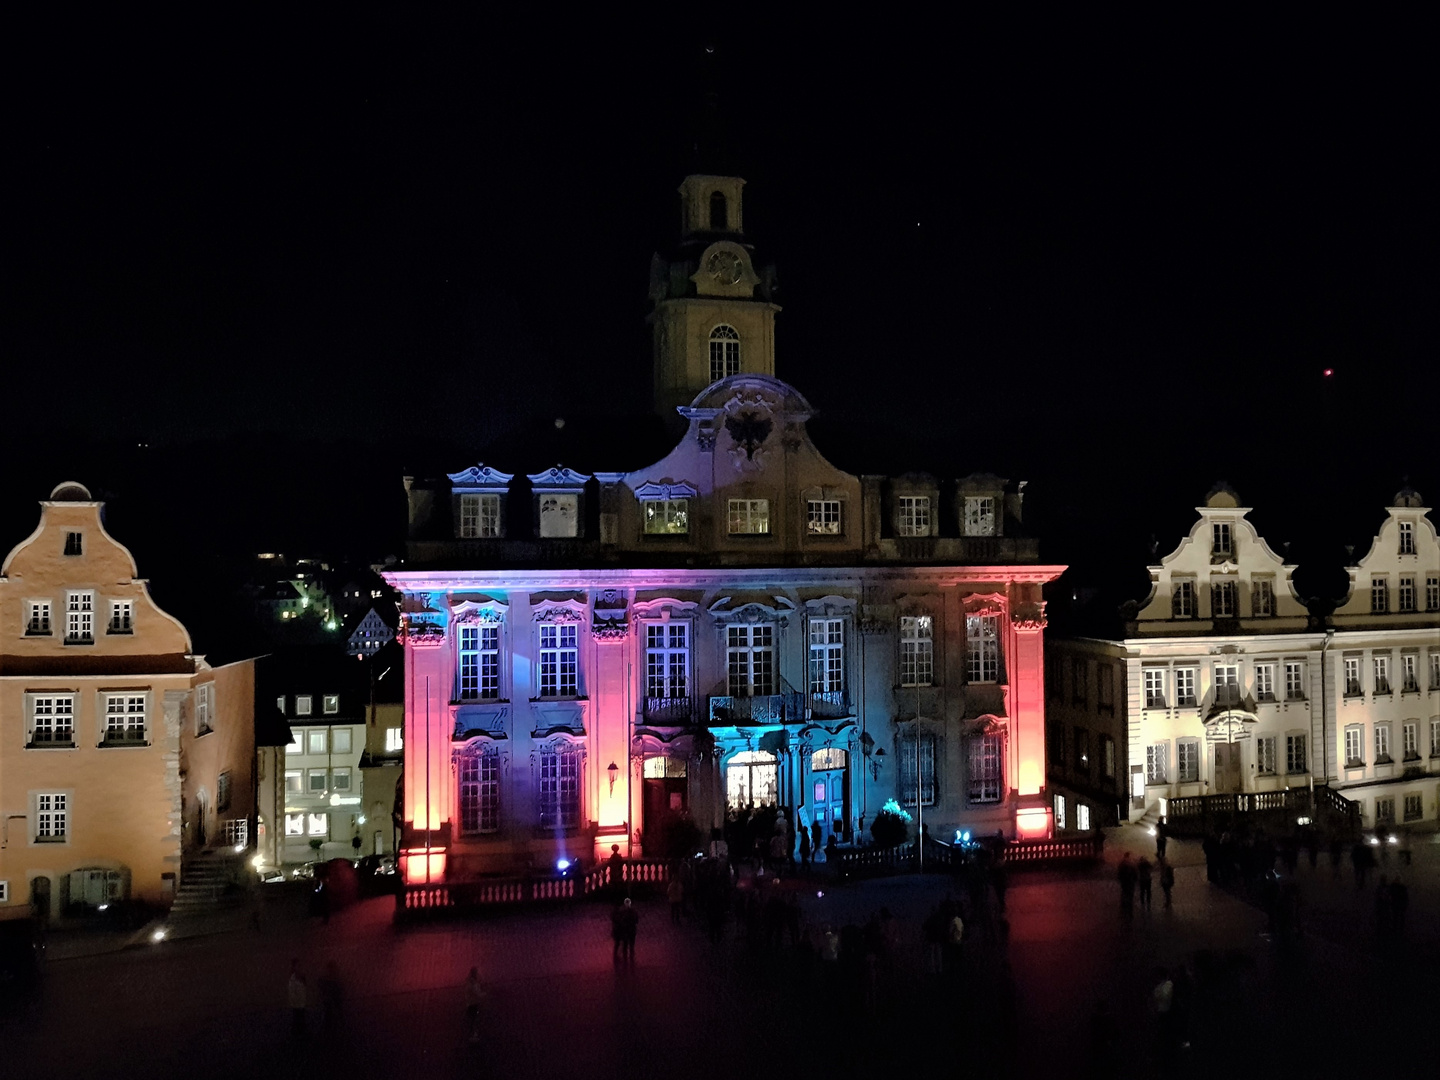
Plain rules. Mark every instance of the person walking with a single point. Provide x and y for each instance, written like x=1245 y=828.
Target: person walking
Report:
x=295 y=994
x=1144 y=874
x=675 y=893
x=474 y=996
x=1126 y=876
x=1167 y=880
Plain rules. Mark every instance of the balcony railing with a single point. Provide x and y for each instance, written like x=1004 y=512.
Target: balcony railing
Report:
x=671 y=711
x=830 y=705
x=786 y=706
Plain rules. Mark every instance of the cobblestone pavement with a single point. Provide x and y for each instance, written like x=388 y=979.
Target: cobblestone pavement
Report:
x=558 y=1006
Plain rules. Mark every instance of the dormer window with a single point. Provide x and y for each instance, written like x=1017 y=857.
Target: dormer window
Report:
x=1221 y=542
x=979 y=515
x=666 y=517
x=719 y=212
x=912 y=515
x=479 y=516
x=1407 y=538
x=74 y=543
x=559 y=515
x=724 y=352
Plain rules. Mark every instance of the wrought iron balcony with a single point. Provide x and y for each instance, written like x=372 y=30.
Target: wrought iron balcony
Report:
x=671 y=711
x=830 y=705
x=786 y=706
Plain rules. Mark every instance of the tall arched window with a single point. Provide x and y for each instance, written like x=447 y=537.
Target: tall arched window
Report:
x=719 y=211
x=724 y=352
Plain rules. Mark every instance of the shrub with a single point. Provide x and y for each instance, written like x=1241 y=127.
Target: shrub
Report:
x=891 y=826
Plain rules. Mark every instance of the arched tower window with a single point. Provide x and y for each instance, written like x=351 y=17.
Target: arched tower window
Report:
x=724 y=352
x=719 y=211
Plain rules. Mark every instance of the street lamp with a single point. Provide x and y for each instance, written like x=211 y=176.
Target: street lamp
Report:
x=614 y=771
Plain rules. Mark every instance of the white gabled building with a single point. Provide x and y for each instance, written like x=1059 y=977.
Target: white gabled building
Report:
x=1233 y=686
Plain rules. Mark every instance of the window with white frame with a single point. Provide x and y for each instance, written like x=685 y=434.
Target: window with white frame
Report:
x=1409 y=673
x=1221 y=542
x=749 y=517
x=1227 y=684
x=4 y=892
x=479 y=516
x=979 y=515
x=559 y=514
x=479 y=652
x=1082 y=816
x=1294 y=680
x=1352 y=677
x=917 y=650
x=1222 y=600
x=982 y=648
x=751 y=779
x=318 y=825
x=1059 y=811
x=479 y=793
x=1264 y=682
x=317 y=781
x=1407 y=538
x=316 y=741
x=1262 y=600
x=1381 y=671
x=912 y=515
x=331 y=704
x=1187 y=759
x=204 y=707
x=340 y=740
x=1435 y=738
x=1379 y=595
x=1382 y=744
x=667 y=662
x=294 y=781
x=394 y=740
x=52 y=720
x=724 y=352
x=1435 y=669
x=822 y=517
x=1410 y=740
x=294 y=824
x=79 y=617
x=1185 y=688
x=666 y=517
x=559 y=787
x=125 y=718
x=37 y=619
x=52 y=817
x=559 y=659
x=122 y=617
x=303 y=704
x=986 y=768
x=1414 y=806
x=1265 y=755
x=1157 y=763
x=1385 y=810
x=340 y=778
x=1354 y=746
x=827 y=660
x=1155 y=688
x=1432 y=592
x=917 y=770
x=1182 y=599
x=750 y=659
x=1297 y=758
x=1405 y=596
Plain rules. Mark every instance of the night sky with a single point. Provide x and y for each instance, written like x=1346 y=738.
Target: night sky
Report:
x=295 y=260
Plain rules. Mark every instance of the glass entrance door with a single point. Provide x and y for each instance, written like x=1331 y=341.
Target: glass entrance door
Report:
x=829 y=789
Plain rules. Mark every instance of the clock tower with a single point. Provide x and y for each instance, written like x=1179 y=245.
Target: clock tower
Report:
x=713 y=313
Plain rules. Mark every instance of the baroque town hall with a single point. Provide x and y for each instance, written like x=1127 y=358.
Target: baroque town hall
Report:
x=591 y=658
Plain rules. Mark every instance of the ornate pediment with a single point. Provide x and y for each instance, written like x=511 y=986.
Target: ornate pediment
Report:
x=753 y=611
x=985 y=604
x=567 y=612
x=666 y=489
x=470 y=613
x=558 y=479
x=421 y=632
x=830 y=605
x=1029 y=616
x=480 y=477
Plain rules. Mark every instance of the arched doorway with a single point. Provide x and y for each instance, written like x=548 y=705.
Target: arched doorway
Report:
x=40 y=897
x=830 y=789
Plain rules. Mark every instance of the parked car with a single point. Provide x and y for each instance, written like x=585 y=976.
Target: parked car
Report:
x=272 y=876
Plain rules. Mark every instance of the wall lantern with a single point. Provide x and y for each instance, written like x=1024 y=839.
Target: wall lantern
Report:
x=613 y=770
x=876 y=763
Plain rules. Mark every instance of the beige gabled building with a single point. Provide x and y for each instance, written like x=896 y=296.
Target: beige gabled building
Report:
x=119 y=748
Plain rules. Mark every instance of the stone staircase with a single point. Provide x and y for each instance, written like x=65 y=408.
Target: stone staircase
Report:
x=211 y=881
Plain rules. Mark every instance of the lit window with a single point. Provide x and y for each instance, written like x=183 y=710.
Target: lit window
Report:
x=79 y=617
x=341 y=743
x=125 y=718
x=394 y=740
x=749 y=517
x=1082 y=816
x=1107 y=757
x=982 y=647
x=750 y=659
x=1154 y=688
x=559 y=660
x=294 y=824
x=52 y=720
x=315 y=741
x=917 y=650
x=1263 y=600
x=331 y=704
x=666 y=517
x=827 y=660
x=479 y=793
x=986 y=771
x=912 y=515
x=479 y=517
x=1296 y=758
x=1182 y=600
x=979 y=516
x=122 y=617
x=559 y=787
x=302 y=704
x=822 y=517
x=1060 y=811
x=559 y=515
x=667 y=665
x=479 y=662
x=52 y=818
x=38 y=620
x=318 y=824
x=751 y=779
x=724 y=353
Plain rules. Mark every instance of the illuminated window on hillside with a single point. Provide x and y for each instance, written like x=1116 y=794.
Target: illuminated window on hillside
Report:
x=724 y=352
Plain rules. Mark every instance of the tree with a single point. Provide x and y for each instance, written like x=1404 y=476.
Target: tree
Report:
x=891 y=826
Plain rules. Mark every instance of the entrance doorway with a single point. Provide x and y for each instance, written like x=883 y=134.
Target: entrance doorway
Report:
x=830 y=789
x=40 y=897
x=1229 y=775
x=666 y=801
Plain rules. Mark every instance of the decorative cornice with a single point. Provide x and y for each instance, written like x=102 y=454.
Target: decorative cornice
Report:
x=1029 y=617
x=558 y=478
x=558 y=613
x=421 y=634
x=667 y=489
x=480 y=476
x=610 y=629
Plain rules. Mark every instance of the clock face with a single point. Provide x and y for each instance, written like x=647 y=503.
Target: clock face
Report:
x=726 y=268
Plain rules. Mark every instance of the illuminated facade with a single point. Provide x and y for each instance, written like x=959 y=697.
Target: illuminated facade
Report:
x=120 y=750
x=1234 y=686
x=593 y=659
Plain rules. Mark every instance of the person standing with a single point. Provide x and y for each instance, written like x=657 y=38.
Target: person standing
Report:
x=1144 y=874
x=616 y=870
x=474 y=996
x=630 y=923
x=1161 y=840
x=1126 y=876
x=815 y=837
x=804 y=851
x=296 y=996
x=1167 y=879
